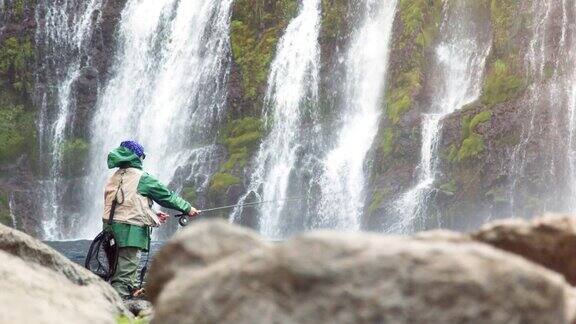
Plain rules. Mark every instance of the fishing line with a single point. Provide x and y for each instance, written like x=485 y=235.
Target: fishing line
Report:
x=184 y=219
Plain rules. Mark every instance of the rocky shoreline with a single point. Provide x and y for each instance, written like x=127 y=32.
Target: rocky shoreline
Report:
x=511 y=271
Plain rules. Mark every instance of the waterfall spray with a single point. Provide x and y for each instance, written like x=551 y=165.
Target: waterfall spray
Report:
x=550 y=100
x=292 y=84
x=458 y=68
x=343 y=166
x=62 y=33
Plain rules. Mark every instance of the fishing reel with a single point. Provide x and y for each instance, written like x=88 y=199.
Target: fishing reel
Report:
x=183 y=219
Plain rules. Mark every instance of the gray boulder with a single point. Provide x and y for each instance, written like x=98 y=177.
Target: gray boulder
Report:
x=39 y=285
x=549 y=241
x=365 y=278
x=196 y=247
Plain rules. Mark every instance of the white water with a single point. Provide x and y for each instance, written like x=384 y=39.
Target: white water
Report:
x=343 y=179
x=569 y=38
x=459 y=65
x=62 y=33
x=551 y=93
x=168 y=91
x=292 y=84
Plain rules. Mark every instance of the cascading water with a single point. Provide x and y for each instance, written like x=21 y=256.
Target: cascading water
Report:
x=293 y=84
x=567 y=88
x=569 y=38
x=343 y=179
x=168 y=92
x=459 y=65
x=550 y=63
x=64 y=28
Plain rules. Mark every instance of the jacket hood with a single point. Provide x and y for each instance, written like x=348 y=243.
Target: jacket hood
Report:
x=123 y=157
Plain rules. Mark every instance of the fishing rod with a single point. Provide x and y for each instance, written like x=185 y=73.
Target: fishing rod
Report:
x=184 y=219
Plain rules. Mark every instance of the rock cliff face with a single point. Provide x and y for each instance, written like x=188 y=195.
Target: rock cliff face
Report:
x=505 y=153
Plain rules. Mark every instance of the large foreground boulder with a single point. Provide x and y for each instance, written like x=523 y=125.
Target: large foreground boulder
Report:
x=39 y=285
x=195 y=248
x=549 y=241
x=364 y=278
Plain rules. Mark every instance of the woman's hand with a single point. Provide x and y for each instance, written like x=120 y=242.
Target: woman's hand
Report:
x=193 y=212
x=162 y=217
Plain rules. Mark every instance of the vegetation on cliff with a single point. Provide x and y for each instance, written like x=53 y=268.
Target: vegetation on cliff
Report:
x=16 y=56
x=504 y=81
x=17 y=131
x=420 y=21
x=17 y=117
x=472 y=142
x=241 y=138
x=5 y=217
x=415 y=30
x=256 y=27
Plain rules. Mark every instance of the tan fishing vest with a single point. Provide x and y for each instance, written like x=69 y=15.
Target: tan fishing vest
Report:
x=131 y=208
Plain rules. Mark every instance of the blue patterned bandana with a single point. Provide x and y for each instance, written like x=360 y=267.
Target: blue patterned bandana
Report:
x=134 y=147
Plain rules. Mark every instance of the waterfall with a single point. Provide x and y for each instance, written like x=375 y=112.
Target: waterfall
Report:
x=292 y=85
x=550 y=100
x=458 y=68
x=63 y=30
x=569 y=37
x=342 y=181
x=167 y=91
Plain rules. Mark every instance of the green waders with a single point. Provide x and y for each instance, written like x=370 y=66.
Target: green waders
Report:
x=131 y=240
x=125 y=277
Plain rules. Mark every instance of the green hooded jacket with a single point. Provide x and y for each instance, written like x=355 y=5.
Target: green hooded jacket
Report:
x=131 y=235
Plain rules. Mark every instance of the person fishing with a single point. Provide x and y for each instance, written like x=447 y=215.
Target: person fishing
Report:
x=129 y=196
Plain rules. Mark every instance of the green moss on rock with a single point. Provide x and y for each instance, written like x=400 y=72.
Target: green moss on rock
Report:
x=255 y=30
x=5 y=216
x=472 y=143
x=388 y=141
x=16 y=56
x=222 y=181
x=501 y=84
x=420 y=23
x=471 y=147
x=17 y=132
x=502 y=14
x=503 y=81
x=241 y=137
